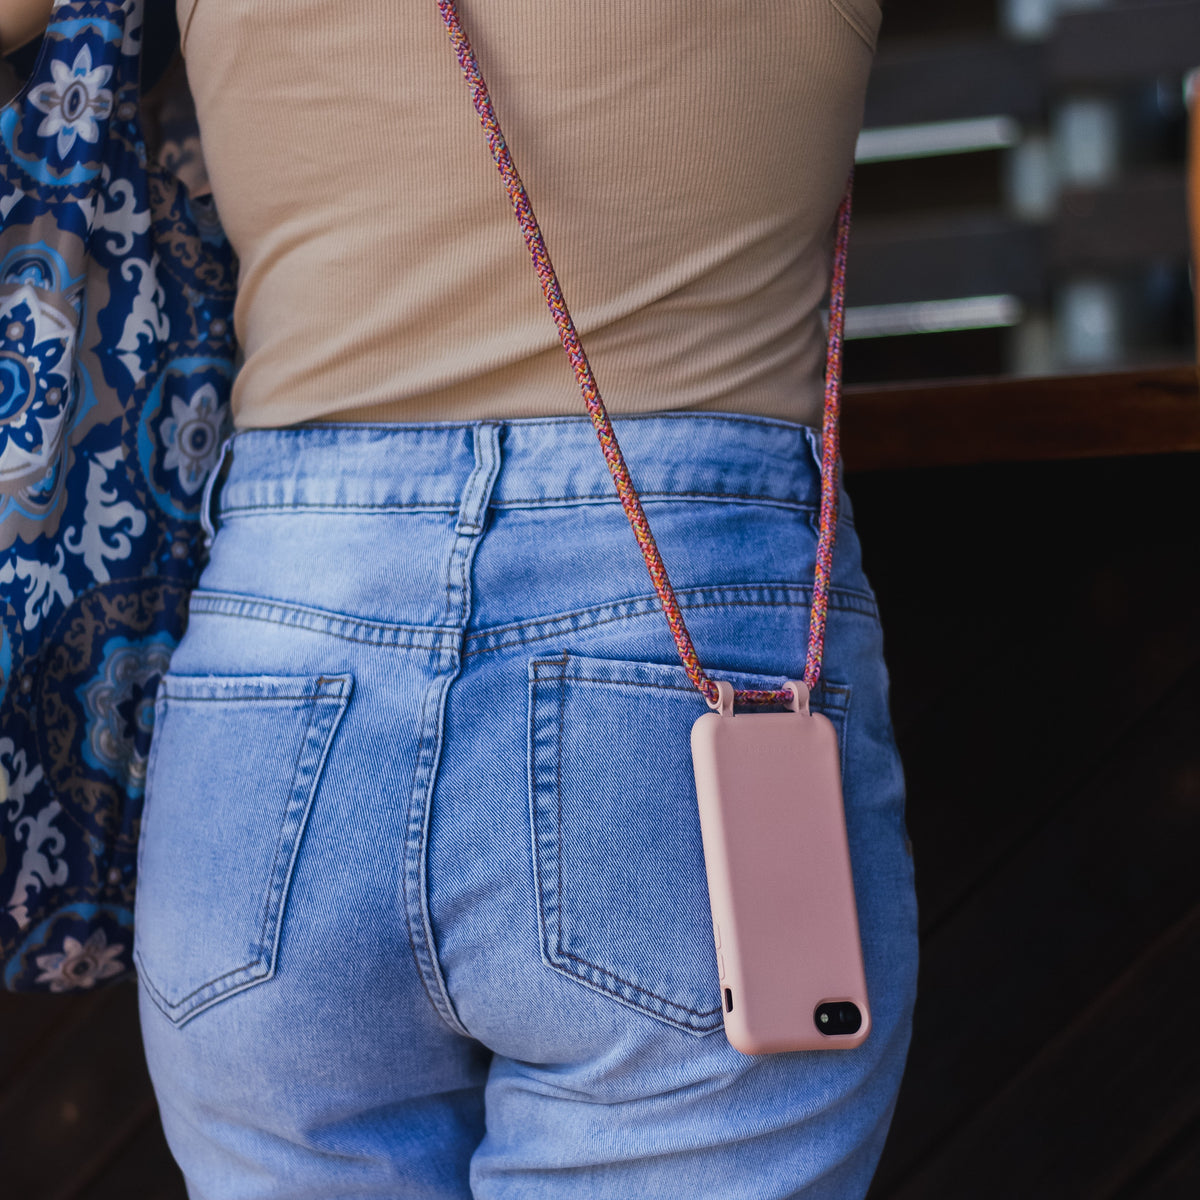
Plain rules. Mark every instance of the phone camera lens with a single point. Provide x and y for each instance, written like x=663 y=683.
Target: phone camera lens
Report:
x=838 y=1017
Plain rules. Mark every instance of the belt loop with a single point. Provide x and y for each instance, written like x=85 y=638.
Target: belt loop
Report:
x=210 y=487
x=814 y=437
x=472 y=512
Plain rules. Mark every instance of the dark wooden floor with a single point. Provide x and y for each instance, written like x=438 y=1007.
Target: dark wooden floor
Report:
x=1043 y=633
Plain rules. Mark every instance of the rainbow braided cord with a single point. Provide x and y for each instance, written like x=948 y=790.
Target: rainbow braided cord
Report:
x=604 y=430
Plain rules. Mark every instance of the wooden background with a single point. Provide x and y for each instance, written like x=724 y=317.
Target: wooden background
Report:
x=1042 y=629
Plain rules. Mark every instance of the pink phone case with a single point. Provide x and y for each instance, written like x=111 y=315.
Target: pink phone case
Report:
x=779 y=878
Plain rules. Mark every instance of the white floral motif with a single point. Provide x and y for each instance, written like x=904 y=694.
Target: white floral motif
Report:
x=104 y=511
x=8 y=201
x=43 y=842
x=73 y=101
x=117 y=212
x=192 y=435
x=80 y=965
x=147 y=323
x=131 y=42
x=18 y=778
x=45 y=582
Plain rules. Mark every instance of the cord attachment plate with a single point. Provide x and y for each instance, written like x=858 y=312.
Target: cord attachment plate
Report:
x=723 y=705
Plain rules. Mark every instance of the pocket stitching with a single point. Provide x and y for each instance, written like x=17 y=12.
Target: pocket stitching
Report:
x=160 y=706
x=277 y=890
x=835 y=697
x=261 y=968
x=704 y=1014
x=588 y=969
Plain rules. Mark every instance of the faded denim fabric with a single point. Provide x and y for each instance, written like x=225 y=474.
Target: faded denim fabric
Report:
x=422 y=908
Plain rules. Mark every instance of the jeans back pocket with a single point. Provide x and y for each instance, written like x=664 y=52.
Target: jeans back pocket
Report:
x=622 y=894
x=234 y=765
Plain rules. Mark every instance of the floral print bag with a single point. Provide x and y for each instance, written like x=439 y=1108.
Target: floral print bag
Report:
x=116 y=363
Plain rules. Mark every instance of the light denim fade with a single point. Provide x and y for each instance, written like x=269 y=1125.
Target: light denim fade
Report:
x=422 y=909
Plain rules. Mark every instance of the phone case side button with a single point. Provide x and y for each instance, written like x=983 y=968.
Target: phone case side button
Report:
x=720 y=965
x=717 y=934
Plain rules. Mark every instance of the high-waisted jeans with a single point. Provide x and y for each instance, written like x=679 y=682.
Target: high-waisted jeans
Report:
x=422 y=908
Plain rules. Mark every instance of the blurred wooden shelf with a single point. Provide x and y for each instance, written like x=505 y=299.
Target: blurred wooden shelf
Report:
x=940 y=77
x=942 y=422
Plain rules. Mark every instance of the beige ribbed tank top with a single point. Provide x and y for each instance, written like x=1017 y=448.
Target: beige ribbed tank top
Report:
x=685 y=159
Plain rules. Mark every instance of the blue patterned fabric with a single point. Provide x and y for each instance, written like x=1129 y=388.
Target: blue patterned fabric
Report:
x=116 y=364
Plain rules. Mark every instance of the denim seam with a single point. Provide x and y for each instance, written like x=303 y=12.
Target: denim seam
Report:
x=558 y=909
x=469 y=527
x=302 y=748
x=159 y=707
x=656 y=497
x=233 y=512
x=314 y=627
x=416 y=851
x=257 y=699
x=472 y=512
x=428 y=637
x=406 y=865
x=835 y=699
x=174 y=1006
x=439 y=637
x=562 y=704
x=560 y=624
x=531 y=756
x=700 y=1014
x=340 y=699
x=255 y=962
x=831 y=690
x=839 y=598
x=320 y=735
x=173 y=687
x=843 y=732
x=284 y=507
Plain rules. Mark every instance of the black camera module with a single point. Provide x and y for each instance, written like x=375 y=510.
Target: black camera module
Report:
x=837 y=1017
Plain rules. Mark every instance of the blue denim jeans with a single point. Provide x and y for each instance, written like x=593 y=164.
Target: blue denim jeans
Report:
x=422 y=907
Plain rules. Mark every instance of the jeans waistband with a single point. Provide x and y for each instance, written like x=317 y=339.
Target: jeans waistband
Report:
x=544 y=460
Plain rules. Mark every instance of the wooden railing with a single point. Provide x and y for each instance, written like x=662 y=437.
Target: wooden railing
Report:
x=943 y=422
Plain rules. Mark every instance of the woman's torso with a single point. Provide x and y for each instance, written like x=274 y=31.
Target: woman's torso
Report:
x=685 y=161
